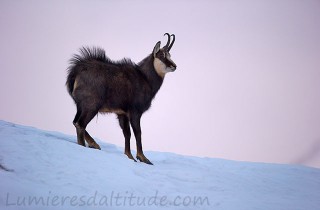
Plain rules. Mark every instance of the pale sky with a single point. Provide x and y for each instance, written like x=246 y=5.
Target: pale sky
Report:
x=247 y=86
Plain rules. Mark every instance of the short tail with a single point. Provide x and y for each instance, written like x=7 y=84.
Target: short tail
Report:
x=86 y=54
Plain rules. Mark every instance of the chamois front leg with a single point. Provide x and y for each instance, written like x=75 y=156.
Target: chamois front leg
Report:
x=135 y=123
x=125 y=126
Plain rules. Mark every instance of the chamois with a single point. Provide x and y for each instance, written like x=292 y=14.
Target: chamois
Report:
x=100 y=85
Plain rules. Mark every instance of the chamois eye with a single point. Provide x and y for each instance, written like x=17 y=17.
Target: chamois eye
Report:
x=162 y=55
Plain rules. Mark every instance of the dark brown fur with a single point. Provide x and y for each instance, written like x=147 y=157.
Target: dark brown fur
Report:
x=98 y=84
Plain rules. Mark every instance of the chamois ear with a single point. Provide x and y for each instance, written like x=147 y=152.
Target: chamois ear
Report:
x=156 y=48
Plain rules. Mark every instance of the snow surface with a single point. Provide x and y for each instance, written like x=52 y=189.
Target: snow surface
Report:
x=48 y=170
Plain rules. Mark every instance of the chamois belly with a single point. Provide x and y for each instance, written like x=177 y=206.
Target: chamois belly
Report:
x=109 y=110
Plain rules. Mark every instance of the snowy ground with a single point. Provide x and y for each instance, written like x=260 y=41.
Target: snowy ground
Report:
x=48 y=170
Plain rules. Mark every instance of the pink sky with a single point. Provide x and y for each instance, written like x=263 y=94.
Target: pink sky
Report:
x=247 y=86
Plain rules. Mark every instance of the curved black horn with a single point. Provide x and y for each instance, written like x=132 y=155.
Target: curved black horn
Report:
x=174 y=38
x=168 y=42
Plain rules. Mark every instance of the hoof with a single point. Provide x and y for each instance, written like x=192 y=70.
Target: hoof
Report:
x=143 y=159
x=130 y=156
x=95 y=146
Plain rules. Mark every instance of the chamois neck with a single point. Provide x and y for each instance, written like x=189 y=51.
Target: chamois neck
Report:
x=147 y=68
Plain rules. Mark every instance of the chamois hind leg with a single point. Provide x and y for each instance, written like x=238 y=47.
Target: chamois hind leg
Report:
x=135 y=123
x=125 y=126
x=80 y=133
x=81 y=120
x=91 y=142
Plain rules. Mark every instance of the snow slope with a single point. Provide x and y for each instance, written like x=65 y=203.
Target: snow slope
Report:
x=48 y=170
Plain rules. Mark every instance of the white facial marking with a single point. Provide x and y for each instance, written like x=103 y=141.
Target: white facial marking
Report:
x=161 y=68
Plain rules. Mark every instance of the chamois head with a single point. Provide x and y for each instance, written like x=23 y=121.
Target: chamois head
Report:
x=162 y=58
